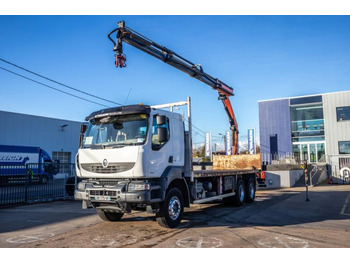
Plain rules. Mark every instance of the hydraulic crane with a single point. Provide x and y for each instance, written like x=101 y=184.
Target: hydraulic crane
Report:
x=129 y=36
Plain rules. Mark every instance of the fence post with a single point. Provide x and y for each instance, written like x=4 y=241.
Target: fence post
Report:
x=26 y=185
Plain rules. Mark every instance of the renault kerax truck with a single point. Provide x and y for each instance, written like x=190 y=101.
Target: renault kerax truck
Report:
x=140 y=157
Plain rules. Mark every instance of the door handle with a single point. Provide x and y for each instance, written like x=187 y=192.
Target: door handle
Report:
x=171 y=159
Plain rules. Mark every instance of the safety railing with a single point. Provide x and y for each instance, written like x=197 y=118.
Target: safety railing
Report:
x=32 y=183
x=279 y=159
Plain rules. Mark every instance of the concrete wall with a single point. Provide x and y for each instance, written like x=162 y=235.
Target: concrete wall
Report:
x=46 y=133
x=287 y=178
x=274 y=118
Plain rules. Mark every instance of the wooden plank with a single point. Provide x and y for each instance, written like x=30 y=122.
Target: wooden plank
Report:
x=236 y=162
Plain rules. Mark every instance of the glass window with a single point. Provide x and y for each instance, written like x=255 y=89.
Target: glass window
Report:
x=321 y=152
x=302 y=113
x=306 y=100
x=308 y=139
x=304 y=152
x=308 y=125
x=116 y=131
x=312 y=153
x=343 y=113
x=344 y=147
x=296 y=152
x=156 y=145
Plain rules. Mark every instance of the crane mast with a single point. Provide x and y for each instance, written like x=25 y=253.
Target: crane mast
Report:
x=129 y=36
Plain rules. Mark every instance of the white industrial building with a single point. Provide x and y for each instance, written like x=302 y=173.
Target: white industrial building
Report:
x=314 y=128
x=58 y=137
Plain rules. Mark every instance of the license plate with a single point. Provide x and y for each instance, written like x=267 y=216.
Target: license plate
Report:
x=102 y=198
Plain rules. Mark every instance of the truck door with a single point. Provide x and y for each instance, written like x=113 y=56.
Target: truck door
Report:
x=160 y=156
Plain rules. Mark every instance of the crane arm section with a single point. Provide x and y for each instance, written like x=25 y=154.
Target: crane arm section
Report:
x=129 y=36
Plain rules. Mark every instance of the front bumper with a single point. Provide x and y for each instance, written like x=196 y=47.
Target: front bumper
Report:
x=118 y=194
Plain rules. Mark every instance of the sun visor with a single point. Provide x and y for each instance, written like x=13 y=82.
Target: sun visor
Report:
x=120 y=110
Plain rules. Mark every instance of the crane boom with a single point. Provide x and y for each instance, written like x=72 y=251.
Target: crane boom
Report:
x=129 y=36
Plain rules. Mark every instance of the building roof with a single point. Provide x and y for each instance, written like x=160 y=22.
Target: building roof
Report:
x=7 y=112
x=265 y=100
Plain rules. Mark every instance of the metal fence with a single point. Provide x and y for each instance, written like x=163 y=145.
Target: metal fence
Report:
x=280 y=159
x=32 y=183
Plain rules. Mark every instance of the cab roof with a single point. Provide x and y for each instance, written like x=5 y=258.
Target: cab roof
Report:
x=120 y=110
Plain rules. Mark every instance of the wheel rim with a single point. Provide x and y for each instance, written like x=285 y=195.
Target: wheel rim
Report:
x=174 y=208
x=251 y=190
x=241 y=193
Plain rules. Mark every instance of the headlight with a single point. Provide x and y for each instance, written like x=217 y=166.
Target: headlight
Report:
x=81 y=186
x=139 y=186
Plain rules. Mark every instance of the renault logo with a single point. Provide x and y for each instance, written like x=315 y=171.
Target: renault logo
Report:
x=105 y=163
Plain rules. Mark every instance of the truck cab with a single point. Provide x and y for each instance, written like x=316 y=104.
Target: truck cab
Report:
x=129 y=156
x=131 y=142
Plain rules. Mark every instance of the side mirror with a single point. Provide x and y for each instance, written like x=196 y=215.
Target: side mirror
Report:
x=162 y=134
x=161 y=120
x=83 y=128
x=81 y=139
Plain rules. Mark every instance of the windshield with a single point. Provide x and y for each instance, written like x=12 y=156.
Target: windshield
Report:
x=116 y=131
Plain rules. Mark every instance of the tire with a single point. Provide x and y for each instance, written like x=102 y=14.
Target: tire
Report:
x=250 y=191
x=240 y=193
x=43 y=180
x=108 y=216
x=171 y=210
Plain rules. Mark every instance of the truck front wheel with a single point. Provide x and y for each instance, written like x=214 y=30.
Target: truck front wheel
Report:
x=108 y=216
x=171 y=210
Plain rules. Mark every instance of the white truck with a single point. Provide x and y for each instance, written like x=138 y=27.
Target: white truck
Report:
x=140 y=157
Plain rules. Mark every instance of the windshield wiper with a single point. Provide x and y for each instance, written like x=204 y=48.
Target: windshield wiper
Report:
x=97 y=146
x=124 y=144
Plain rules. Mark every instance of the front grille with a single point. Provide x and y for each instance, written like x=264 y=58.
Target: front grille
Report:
x=102 y=193
x=103 y=183
x=112 y=167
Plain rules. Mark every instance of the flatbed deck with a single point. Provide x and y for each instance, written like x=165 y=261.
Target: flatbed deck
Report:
x=216 y=173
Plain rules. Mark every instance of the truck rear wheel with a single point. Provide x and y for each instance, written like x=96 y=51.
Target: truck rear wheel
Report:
x=171 y=211
x=239 y=198
x=240 y=193
x=250 y=191
x=108 y=216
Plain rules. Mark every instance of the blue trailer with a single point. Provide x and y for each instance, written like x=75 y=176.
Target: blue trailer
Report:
x=24 y=164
